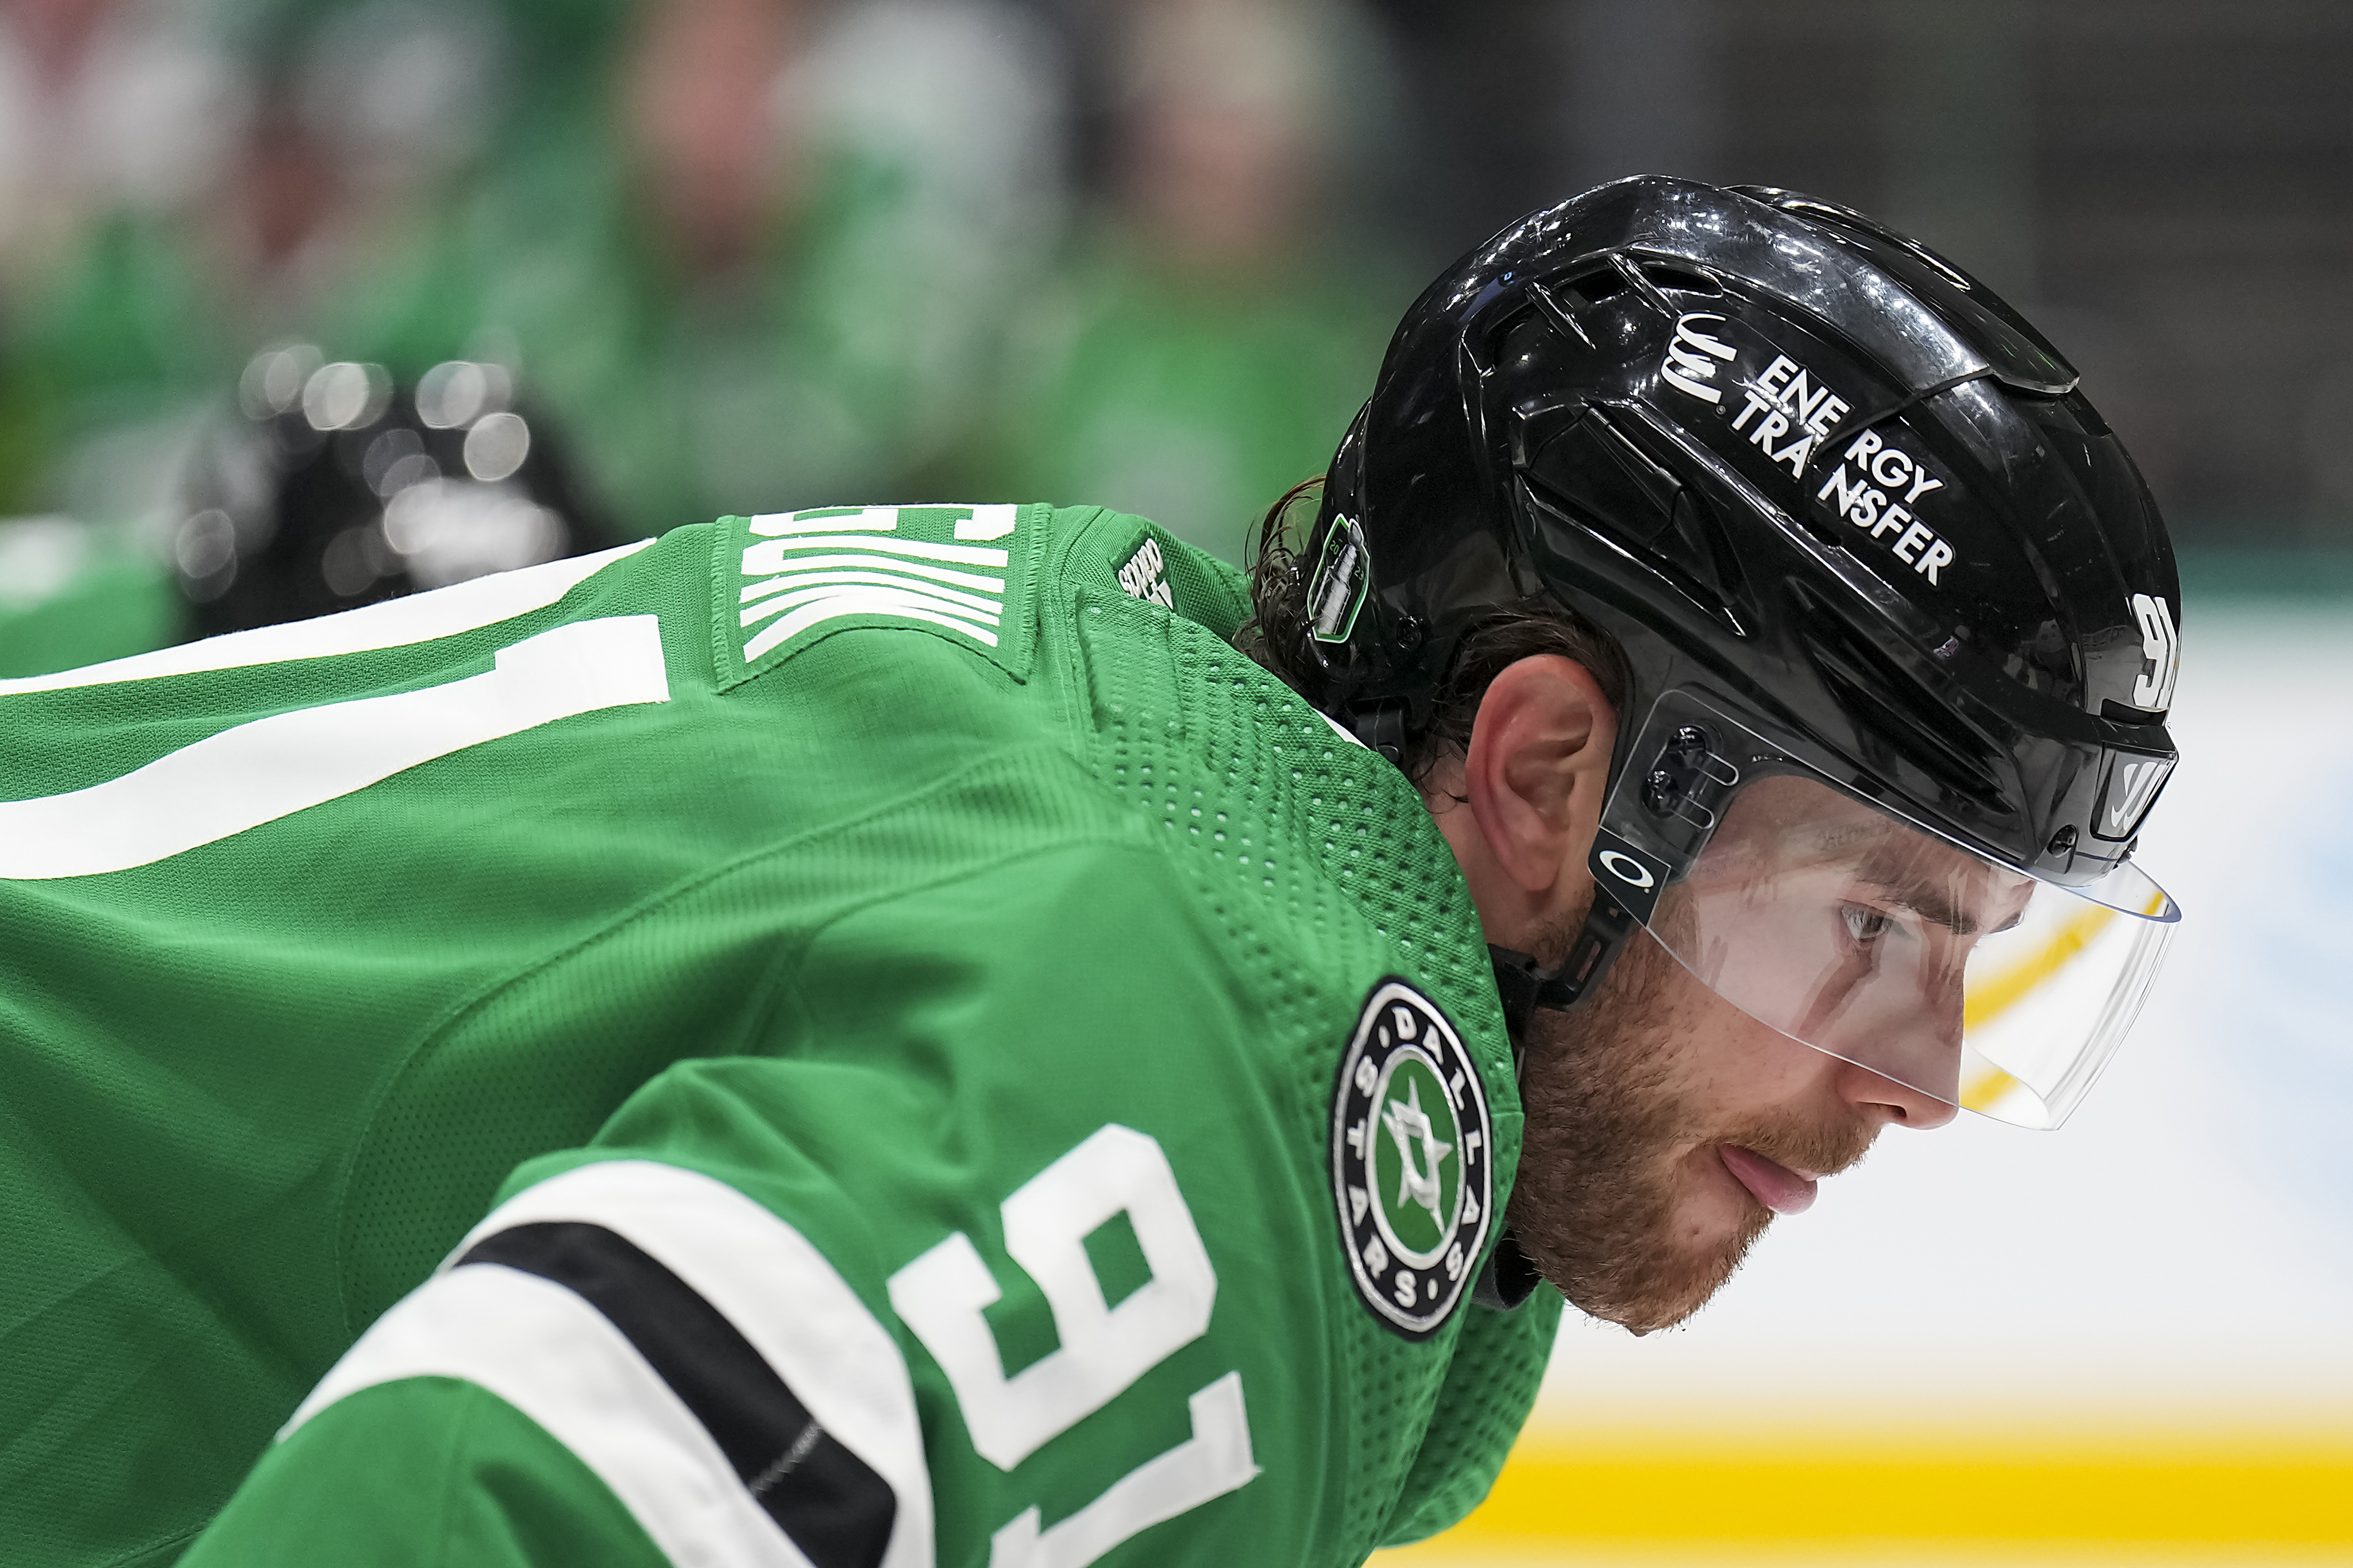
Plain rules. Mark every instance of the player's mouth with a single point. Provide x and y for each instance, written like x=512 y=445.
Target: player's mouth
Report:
x=1777 y=1187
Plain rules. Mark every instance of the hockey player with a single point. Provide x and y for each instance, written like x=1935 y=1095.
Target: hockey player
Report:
x=878 y=1036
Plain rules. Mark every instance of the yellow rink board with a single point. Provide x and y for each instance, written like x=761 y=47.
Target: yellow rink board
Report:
x=1772 y=1495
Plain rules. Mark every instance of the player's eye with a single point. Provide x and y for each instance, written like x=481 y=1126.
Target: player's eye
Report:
x=1865 y=925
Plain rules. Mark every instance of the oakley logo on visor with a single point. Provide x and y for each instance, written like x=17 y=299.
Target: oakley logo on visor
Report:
x=1688 y=364
x=1626 y=868
x=1627 y=874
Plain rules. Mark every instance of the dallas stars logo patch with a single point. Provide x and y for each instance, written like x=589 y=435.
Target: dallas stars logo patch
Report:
x=1412 y=1165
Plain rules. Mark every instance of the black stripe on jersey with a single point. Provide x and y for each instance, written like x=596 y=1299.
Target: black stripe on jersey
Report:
x=832 y=1505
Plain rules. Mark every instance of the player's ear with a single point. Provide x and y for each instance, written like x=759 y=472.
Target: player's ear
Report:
x=1535 y=769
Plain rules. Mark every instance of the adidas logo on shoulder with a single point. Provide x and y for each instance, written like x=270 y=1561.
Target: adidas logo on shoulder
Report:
x=1145 y=575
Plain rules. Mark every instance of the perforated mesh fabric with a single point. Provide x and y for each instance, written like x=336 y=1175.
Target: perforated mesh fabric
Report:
x=1490 y=1388
x=1239 y=770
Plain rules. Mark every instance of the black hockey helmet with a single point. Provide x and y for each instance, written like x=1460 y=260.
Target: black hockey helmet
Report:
x=334 y=486
x=1852 y=527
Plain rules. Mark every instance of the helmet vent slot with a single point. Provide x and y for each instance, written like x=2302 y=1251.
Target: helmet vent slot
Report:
x=1592 y=466
x=1690 y=281
x=1608 y=470
x=1892 y=706
x=1591 y=286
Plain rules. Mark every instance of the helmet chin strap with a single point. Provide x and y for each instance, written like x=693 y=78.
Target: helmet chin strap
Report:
x=1507 y=1278
x=1525 y=985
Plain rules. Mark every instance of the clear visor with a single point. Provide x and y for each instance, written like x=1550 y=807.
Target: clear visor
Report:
x=1883 y=945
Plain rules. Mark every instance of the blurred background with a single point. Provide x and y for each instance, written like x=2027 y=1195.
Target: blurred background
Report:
x=304 y=303
x=704 y=256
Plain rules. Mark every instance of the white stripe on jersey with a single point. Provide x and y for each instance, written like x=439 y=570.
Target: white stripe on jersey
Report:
x=557 y=1358
x=258 y=771
x=396 y=623
x=777 y=1289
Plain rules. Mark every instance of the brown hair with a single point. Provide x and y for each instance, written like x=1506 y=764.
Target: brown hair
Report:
x=1276 y=636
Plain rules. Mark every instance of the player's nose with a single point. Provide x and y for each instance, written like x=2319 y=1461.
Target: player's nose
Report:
x=1885 y=1100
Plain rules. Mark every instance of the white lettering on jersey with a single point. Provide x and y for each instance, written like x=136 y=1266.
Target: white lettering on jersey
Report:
x=988 y=522
x=1103 y=1350
x=818 y=566
x=1212 y=1462
x=256 y=772
x=2160 y=645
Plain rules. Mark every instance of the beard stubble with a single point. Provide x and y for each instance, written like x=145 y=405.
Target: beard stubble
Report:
x=1595 y=1204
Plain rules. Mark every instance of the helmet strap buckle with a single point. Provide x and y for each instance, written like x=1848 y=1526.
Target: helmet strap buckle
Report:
x=1526 y=985
x=1381 y=727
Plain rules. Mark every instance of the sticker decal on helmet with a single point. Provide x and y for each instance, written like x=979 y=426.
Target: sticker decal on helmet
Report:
x=1690 y=356
x=1793 y=404
x=2133 y=783
x=1853 y=495
x=1412 y=1161
x=1790 y=413
x=1338 y=593
x=2160 y=645
x=2135 y=788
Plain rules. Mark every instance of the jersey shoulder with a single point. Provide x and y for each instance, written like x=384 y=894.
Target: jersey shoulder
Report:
x=978 y=575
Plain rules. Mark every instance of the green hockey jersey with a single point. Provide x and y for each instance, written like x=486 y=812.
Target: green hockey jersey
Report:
x=863 y=1036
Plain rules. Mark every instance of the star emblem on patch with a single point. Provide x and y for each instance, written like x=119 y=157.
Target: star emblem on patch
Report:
x=1412 y=1159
